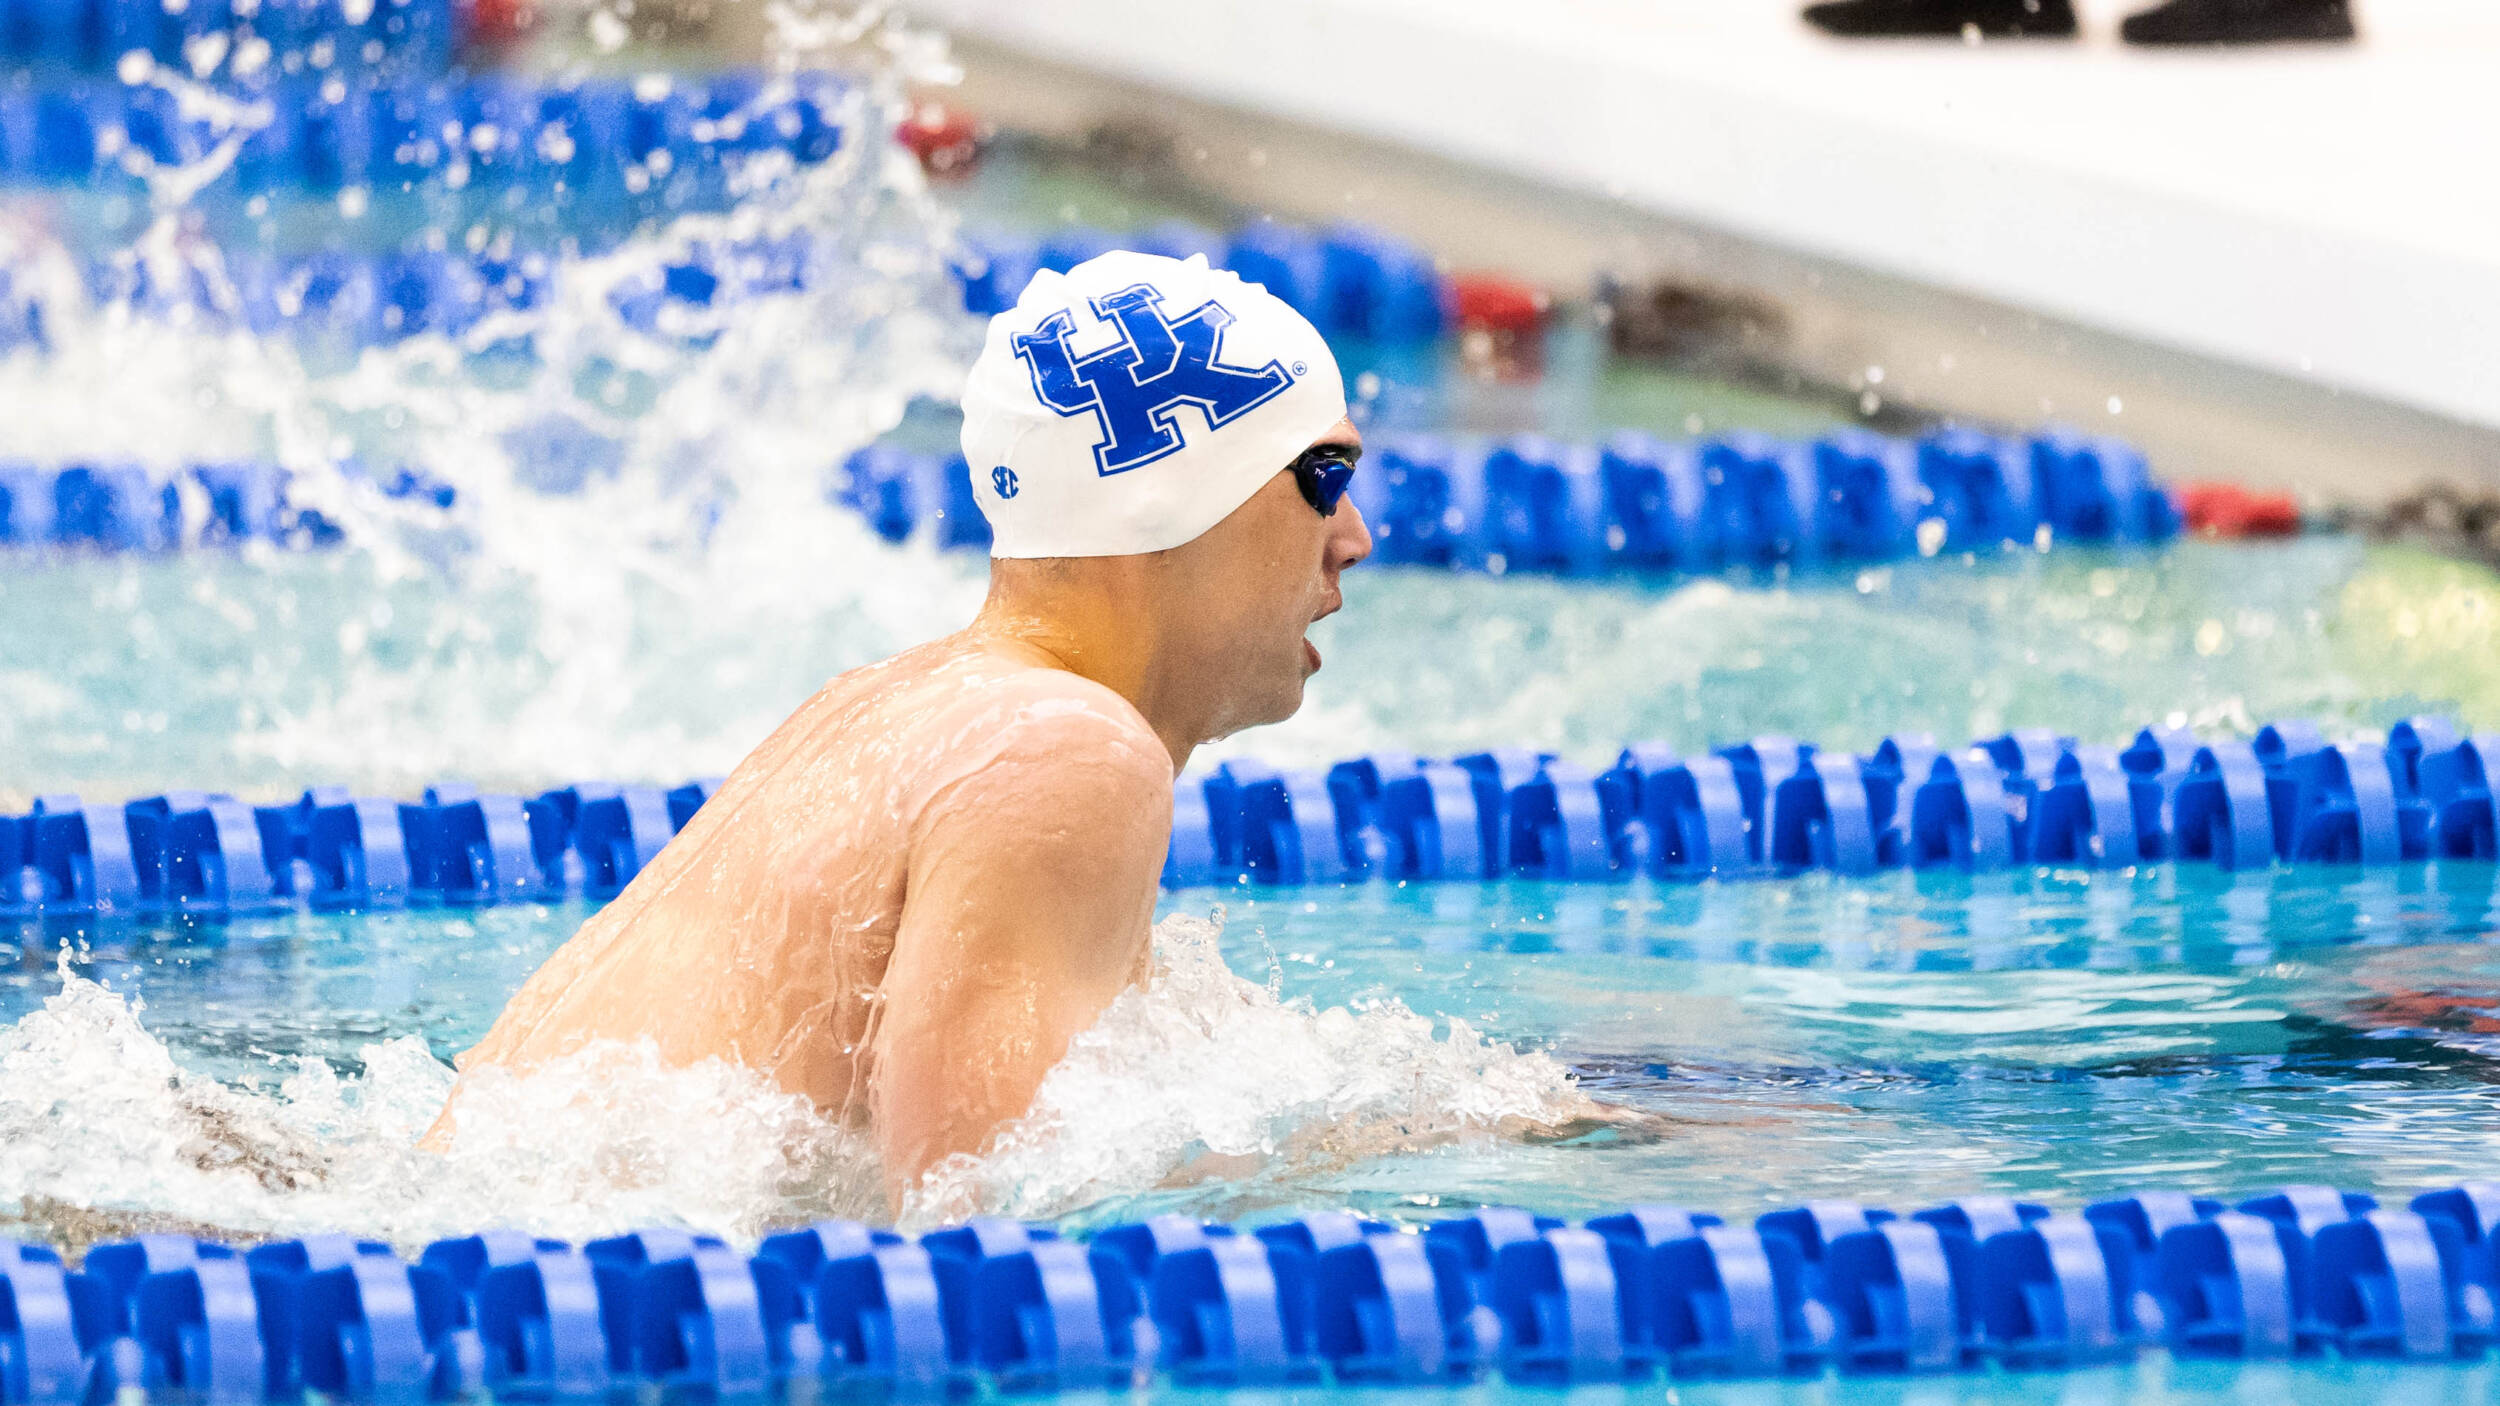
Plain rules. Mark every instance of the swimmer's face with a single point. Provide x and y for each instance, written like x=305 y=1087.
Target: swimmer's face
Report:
x=1254 y=584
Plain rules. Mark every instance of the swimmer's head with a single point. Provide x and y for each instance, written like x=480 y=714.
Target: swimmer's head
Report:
x=1132 y=402
x=1169 y=445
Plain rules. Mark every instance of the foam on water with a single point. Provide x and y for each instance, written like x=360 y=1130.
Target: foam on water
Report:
x=102 y=1129
x=1200 y=1073
x=622 y=486
x=654 y=613
x=641 y=573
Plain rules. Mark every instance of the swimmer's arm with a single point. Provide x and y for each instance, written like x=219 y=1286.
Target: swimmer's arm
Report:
x=1028 y=907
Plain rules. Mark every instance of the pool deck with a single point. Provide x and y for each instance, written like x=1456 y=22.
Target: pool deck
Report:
x=2277 y=266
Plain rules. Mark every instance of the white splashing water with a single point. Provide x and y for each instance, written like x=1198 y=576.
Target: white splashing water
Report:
x=103 y=1131
x=653 y=620
x=1199 y=1069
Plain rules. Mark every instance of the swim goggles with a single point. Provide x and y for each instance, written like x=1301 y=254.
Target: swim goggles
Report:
x=1323 y=472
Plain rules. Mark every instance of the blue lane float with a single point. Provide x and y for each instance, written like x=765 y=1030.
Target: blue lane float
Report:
x=1646 y=1293
x=1766 y=807
x=353 y=300
x=1519 y=505
x=1350 y=280
x=656 y=143
x=123 y=507
x=92 y=36
x=1777 y=806
x=1638 y=503
x=623 y=154
x=210 y=855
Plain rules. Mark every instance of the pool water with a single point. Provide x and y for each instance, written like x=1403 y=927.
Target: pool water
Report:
x=2157 y=1381
x=125 y=675
x=1901 y=1039
x=2051 y=1036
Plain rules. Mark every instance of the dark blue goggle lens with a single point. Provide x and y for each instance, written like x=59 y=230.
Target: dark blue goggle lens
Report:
x=1323 y=477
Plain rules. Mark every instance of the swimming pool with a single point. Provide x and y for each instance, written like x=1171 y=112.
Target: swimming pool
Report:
x=1401 y=1052
x=2050 y=1036
x=1906 y=1039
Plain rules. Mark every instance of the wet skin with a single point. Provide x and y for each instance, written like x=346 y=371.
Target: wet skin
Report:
x=943 y=866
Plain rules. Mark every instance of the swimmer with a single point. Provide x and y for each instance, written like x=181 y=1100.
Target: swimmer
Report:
x=944 y=866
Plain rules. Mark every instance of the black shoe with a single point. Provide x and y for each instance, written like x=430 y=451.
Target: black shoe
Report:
x=2240 y=22
x=1991 y=19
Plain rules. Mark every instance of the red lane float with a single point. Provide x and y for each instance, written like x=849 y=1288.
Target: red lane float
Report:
x=2228 y=510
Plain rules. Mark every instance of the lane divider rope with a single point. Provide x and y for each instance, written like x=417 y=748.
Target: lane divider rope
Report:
x=647 y=146
x=1637 y=503
x=1633 y=504
x=353 y=40
x=1765 y=807
x=1646 y=1292
x=1774 y=805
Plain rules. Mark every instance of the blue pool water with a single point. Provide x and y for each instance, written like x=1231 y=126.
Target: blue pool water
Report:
x=1899 y=1040
x=1902 y=1040
x=125 y=675
x=2052 y=1036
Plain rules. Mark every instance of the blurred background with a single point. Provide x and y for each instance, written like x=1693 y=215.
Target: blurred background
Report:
x=532 y=389
x=439 y=438
x=2268 y=262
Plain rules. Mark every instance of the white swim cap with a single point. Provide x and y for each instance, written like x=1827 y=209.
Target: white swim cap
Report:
x=1134 y=401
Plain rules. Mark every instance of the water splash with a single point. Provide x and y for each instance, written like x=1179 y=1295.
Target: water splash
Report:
x=103 y=1131
x=639 y=501
x=1200 y=1073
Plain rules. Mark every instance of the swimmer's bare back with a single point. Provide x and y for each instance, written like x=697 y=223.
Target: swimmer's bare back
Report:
x=902 y=906
x=940 y=870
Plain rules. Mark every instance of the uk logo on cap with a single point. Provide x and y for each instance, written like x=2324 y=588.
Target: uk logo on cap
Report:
x=1128 y=361
x=1159 y=365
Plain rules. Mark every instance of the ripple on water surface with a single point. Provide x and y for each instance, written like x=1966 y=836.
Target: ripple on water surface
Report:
x=2050 y=1035
x=124 y=676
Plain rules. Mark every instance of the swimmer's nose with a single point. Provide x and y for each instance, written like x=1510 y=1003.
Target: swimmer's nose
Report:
x=1349 y=537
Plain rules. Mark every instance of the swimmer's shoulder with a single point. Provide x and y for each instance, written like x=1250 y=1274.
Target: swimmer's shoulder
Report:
x=1042 y=700
x=1043 y=731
